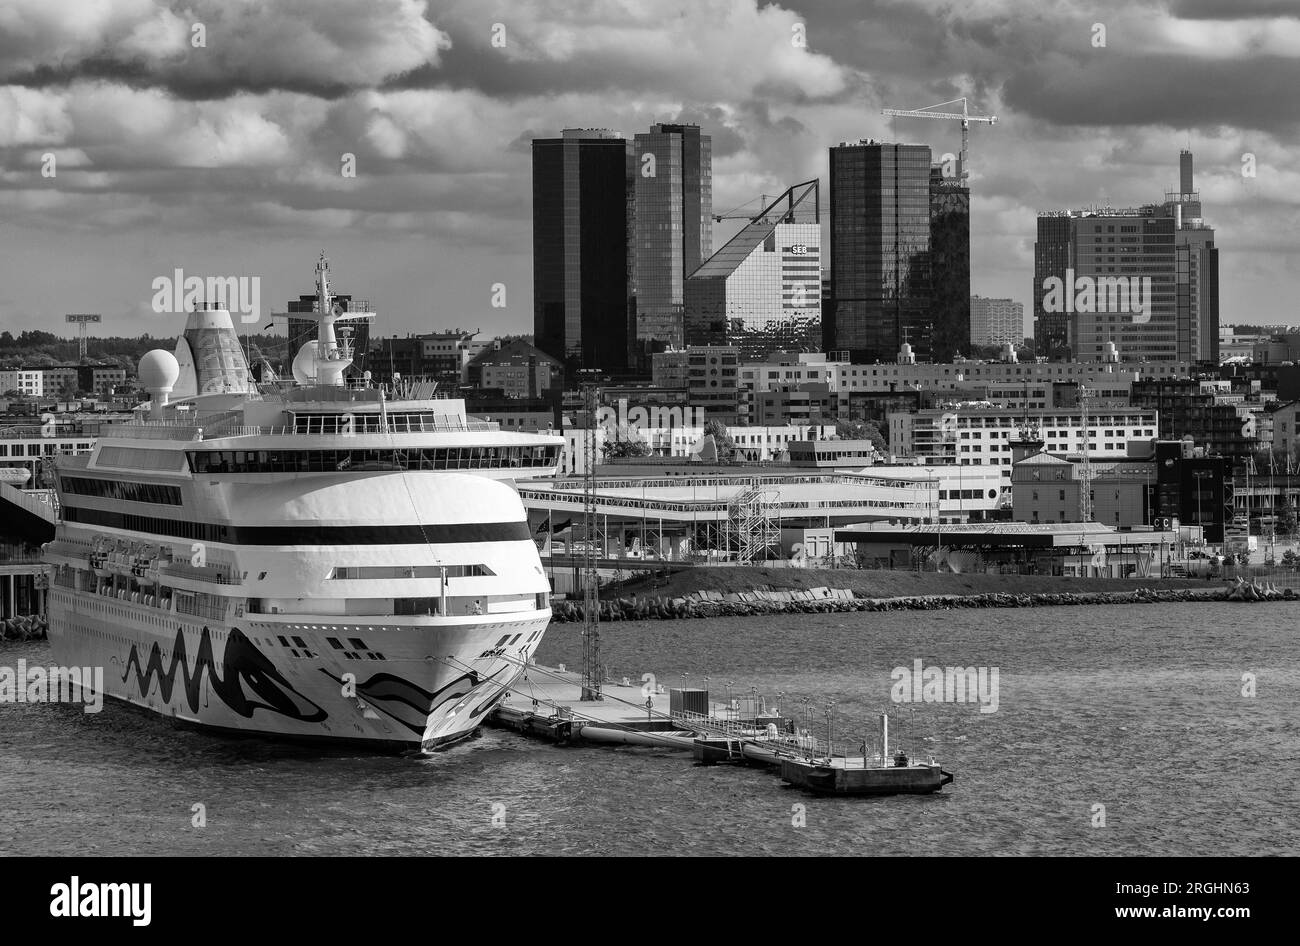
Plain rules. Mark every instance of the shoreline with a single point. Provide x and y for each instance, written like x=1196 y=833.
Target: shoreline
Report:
x=828 y=600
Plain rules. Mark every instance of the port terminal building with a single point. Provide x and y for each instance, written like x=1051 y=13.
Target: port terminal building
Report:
x=670 y=510
x=1072 y=549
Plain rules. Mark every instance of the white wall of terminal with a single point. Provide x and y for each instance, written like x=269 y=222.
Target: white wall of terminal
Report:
x=752 y=443
x=961 y=491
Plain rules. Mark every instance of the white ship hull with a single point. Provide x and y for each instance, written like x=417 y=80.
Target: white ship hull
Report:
x=412 y=686
x=313 y=560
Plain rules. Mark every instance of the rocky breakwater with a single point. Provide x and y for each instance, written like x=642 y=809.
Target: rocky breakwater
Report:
x=707 y=604
x=24 y=627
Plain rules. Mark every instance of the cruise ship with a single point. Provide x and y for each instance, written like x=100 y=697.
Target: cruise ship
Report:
x=318 y=557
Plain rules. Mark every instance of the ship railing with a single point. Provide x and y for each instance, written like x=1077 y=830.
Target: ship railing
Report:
x=314 y=430
x=744 y=730
x=195 y=432
x=704 y=481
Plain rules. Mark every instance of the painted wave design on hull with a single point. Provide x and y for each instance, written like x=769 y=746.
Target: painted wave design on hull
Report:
x=392 y=694
x=242 y=663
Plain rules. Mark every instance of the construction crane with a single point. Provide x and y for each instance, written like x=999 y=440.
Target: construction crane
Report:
x=964 y=117
x=1085 y=464
x=592 y=673
x=735 y=215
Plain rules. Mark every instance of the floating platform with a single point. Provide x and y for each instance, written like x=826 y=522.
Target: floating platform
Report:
x=547 y=703
x=841 y=776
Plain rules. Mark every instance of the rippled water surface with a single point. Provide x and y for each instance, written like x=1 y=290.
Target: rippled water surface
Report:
x=1137 y=708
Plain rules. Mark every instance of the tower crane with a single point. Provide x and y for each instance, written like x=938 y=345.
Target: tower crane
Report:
x=963 y=116
x=735 y=215
x=1085 y=462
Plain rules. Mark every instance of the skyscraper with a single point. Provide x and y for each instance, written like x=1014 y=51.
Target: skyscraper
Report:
x=949 y=267
x=1144 y=279
x=580 y=247
x=673 y=231
x=996 y=322
x=880 y=209
x=762 y=291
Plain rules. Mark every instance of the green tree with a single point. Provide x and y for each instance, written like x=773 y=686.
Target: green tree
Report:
x=625 y=446
x=722 y=440
x=1286 y=520
x=867 y=430
x=1289 y=559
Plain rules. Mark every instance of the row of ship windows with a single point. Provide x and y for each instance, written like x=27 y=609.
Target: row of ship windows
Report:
x=115 y=489
x=47 y=448
x=353 y=572
x=326 y=461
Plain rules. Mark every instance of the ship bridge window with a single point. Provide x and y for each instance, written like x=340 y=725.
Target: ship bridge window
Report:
x=329 y=461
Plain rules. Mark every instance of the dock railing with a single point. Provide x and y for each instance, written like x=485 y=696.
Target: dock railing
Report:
x=745 y=730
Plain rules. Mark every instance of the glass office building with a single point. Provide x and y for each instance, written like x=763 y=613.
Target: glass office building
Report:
x=580 y=247
x=880 y=223
x=949 y=267
x=1110 y=254
x=672 y=232
x=761 y=292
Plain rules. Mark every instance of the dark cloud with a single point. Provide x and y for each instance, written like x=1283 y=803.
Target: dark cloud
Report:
x=1112 y=88
x=184 y=83
x=1233 y=9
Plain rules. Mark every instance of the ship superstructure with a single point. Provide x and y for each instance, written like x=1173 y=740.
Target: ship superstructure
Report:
x=317 y=558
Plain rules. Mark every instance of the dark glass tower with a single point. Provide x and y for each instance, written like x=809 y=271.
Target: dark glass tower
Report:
x=880 y=218
x=673 y=230
x=580 y=252
x=1053 y=255
x=949 y=267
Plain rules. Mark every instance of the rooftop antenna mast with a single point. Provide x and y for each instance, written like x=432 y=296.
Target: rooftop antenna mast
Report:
x=1085 y=465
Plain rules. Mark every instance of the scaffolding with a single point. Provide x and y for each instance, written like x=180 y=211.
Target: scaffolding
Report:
x=593 y=547
x=752 y=527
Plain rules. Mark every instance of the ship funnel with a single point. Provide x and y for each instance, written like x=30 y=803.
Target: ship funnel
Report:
x=210 y=358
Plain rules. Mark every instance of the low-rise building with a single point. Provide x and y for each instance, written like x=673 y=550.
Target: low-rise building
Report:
x=979 y=433
x=516 y=367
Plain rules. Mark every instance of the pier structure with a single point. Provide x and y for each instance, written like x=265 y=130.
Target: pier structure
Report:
x=708 y=517
x=549 y=703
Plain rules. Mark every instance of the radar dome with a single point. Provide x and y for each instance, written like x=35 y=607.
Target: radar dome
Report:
x=158 y=370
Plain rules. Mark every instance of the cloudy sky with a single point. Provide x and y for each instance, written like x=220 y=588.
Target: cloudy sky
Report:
x=225 y=158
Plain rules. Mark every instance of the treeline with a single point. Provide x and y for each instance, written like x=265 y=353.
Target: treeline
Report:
x=41 y=349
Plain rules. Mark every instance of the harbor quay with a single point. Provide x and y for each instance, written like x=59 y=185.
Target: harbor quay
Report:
x=568 y=708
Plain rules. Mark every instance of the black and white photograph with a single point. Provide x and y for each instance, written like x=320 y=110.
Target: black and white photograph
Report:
x=644 y=429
